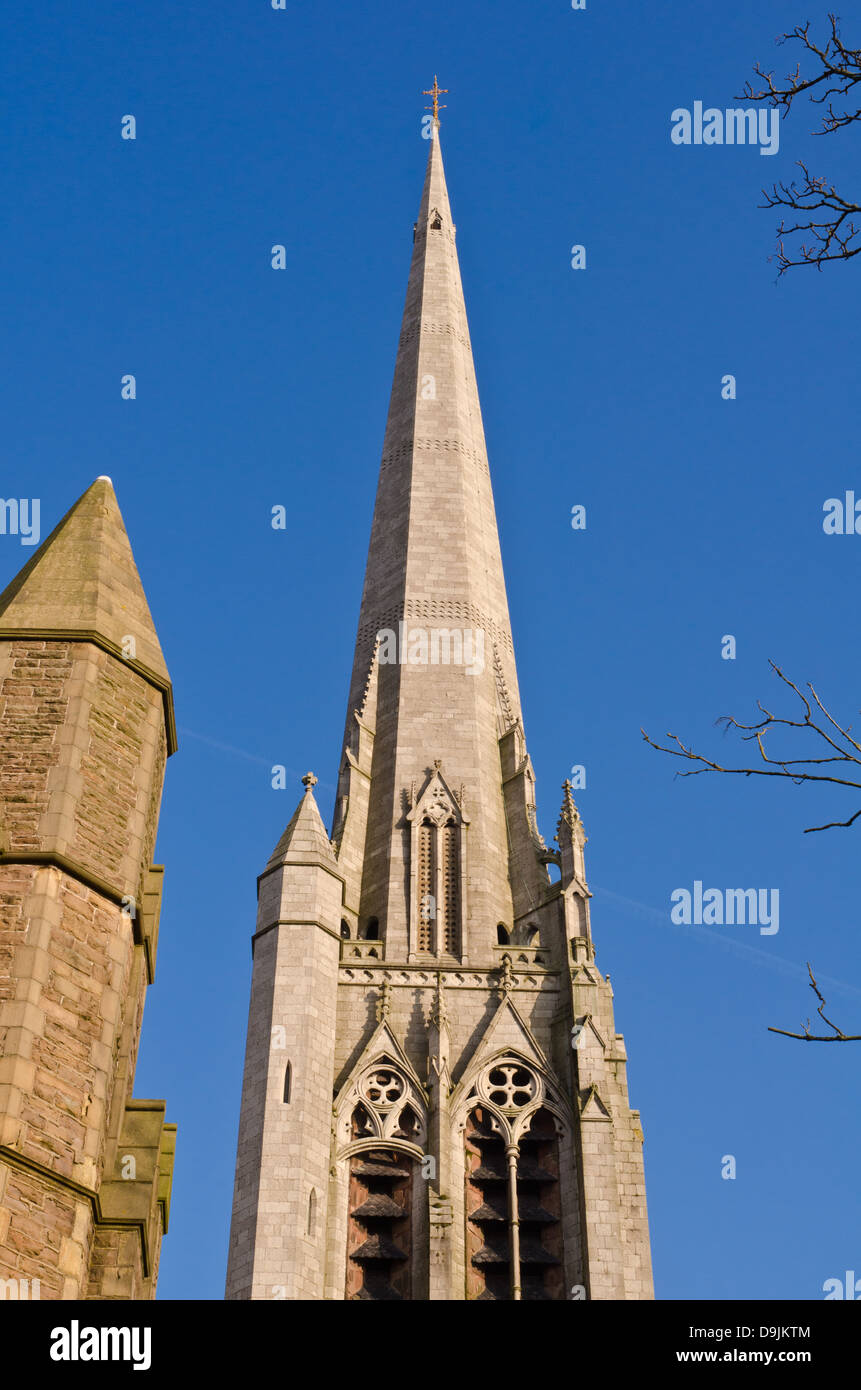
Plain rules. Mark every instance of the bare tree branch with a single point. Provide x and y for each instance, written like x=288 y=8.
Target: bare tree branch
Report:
x=836 y=73
x=845 y=749
x=837 y=1036
x=834 y=238
x=840 y=66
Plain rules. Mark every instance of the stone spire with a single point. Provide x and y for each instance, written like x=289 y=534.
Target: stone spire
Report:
x=83 y=581
x=83 y=578
x=434 y=567
x=417 y=978
x=305 y=839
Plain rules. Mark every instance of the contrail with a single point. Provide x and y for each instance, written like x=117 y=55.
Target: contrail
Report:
x=249 y=757
x=776 y=963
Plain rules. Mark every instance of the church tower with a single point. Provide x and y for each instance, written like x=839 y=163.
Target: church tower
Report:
x=86 y=724
x=434 y=1101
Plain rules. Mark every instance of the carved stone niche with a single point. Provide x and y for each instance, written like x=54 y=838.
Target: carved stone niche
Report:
x=437 y=912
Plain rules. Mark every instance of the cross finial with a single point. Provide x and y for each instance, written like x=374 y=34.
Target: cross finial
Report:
x=436 y=91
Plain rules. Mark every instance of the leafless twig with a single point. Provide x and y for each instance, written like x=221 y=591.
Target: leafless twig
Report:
x=837 y=1036
x=837 y=71
x=845 y=751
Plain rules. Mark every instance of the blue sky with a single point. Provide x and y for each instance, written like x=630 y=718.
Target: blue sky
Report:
x=600 y=387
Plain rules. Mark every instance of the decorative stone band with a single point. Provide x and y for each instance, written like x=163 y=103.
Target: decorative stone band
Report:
x=369 y=974
x=49 y=634
x=433 y=327
x=437 y=446
x=293 y=922
x=438 y=612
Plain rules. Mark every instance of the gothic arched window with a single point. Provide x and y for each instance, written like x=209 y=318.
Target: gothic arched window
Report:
x=437 y=910
x=513 y=1228
x=384 y=1114
x=439 y=889
x=379 y=1235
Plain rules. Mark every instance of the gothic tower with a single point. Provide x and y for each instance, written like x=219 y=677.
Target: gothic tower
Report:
x=86 y=723
x=434 y=1102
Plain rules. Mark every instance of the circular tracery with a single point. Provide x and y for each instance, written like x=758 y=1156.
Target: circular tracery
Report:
x=383 y=1088
x=511 y=1086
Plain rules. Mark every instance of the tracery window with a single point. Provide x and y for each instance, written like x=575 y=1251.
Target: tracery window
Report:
x=513 y=1213
x=384 y=1118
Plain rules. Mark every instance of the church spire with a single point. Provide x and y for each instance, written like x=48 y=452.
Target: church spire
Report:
x=434 y=617
x=439 y=1154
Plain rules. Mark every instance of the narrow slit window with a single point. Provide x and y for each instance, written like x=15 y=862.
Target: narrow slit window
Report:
x=451 y=890
x=427 y=885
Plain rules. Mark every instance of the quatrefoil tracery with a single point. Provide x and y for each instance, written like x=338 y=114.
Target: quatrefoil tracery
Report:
x=511 y=1086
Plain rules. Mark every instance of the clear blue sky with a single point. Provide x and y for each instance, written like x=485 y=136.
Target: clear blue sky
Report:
x=600 y=387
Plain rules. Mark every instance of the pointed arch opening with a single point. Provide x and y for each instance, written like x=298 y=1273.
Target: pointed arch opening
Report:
x=487 y=1224
x=437 y=872
x=539 y=1211
x=512 y=1197
x=379 y=1237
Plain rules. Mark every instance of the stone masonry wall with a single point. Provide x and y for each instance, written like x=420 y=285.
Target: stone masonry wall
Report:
x=82 y=751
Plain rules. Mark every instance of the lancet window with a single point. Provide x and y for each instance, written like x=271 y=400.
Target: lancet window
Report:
x=438 y=872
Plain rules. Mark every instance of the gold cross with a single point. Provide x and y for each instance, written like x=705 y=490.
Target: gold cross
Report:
x=436 y=92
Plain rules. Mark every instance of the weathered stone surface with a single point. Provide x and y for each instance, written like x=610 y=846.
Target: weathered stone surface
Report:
x=84 y=735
